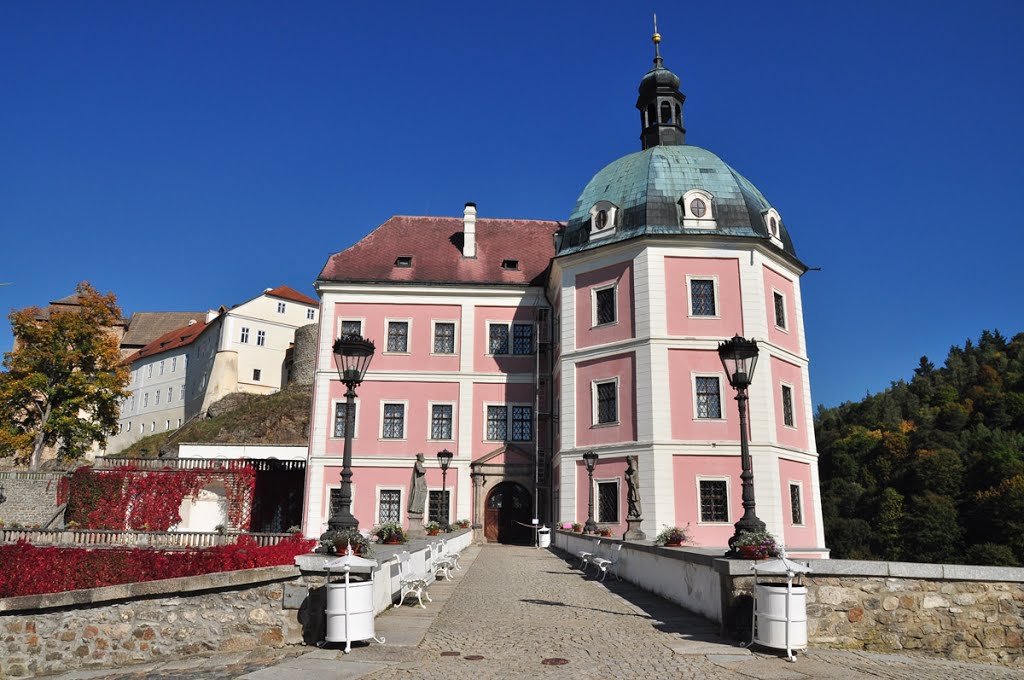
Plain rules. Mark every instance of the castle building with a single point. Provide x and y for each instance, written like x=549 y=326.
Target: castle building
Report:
x=522 y=345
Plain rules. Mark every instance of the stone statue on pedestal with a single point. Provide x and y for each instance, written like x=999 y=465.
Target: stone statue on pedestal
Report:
x=634 y=512
x=417 y=496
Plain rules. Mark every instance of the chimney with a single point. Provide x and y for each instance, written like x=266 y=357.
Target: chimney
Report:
x=469 y=231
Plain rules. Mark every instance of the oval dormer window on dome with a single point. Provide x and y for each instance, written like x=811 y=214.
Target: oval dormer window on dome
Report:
x=697 y=208
x=602 y=219
x=773 y=224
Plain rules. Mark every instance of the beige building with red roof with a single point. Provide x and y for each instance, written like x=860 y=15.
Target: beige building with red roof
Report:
x=244 y=348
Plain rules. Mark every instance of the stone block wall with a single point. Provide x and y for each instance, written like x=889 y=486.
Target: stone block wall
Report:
x=31 y=497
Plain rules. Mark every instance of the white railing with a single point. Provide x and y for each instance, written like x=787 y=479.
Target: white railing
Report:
x=140 y=539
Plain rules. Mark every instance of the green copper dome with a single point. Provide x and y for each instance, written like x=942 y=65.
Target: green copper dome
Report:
x=647 y=188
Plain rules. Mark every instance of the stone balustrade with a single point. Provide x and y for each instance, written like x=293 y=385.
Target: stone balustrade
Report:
x=96 y=538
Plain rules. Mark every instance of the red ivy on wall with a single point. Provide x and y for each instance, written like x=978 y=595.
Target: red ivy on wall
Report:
x=28 y=570
x=150 y=500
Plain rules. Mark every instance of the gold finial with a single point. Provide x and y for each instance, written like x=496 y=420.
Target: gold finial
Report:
x=656 y=38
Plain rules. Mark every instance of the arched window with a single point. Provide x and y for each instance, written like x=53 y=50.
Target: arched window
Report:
x=666 y=113
x=679 y=115
x=652 y=114
x=773 y=221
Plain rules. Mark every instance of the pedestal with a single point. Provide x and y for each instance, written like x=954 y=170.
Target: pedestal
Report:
x=416 y=525
x=633 y=532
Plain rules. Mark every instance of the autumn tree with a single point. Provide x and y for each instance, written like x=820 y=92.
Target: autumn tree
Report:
x=63 y=383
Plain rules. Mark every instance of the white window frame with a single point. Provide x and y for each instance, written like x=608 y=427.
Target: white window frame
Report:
x=360 y=319
x=355 y=425
x=156 y=397
x=310 y=314
x=511 y=338
x=401 y=502
x=450 y=490
x=145 y=400
x=405 y=420
x=408 y=335
x=508 y=422
x=722 y=382
x=789 y=499
x=261 y=338
x=783 y=385
x=594 y=290
x=597 y=498
x=281 y=307
x=129 y=426
x=593 y=402
x=167 y=425
x=690 y=221
x=243 y=335
x=163 y=363
x=430 y=419
x=170 y=394
x=181 y=393
x=689 y=296
x=776 y=236
x=728 y=495
x=131 y=408
x=149 y=371
x=455 y=346
x=609 y=229
x=327 y=498
x=174 y=364
x=785 y=311
x=179 y=422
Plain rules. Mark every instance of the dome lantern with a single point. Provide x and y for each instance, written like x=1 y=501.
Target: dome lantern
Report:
x=660 y=103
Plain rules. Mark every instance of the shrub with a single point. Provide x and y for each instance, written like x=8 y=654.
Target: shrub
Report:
x=345 y=537
x=673 y=535
x=756 y=545
x=390 y=531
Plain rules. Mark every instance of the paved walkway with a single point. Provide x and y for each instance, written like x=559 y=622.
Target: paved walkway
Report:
x=512 y=609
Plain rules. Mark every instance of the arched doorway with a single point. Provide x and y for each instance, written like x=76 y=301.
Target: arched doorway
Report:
x=508 y=513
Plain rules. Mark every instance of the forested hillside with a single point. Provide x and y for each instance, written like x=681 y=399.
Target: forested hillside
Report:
x=931 y=470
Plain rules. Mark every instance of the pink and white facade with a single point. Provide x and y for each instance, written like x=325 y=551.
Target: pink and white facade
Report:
x=546 y=340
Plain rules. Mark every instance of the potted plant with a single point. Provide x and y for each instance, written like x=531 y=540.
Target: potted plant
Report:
x=577 y=527
x=673 y=537
x=756 y=545
x=390 y=533
x=433 y=528
x=344 y=538
x=605 y=532
x=463 y=524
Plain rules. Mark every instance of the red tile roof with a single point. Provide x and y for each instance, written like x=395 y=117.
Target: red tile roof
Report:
x=435 y=244
x=292 y=294
x=179 y=337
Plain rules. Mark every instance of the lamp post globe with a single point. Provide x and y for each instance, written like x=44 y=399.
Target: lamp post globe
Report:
x=739 y=357
x=352 y=355
x=444 y=459
x=590 y=460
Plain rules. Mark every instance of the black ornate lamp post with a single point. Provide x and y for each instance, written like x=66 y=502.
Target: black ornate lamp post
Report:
x=444 y=457
x=590 y=460
x=352 y=354
x=739 y=356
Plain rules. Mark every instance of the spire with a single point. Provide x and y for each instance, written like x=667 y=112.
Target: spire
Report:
x=660 y=103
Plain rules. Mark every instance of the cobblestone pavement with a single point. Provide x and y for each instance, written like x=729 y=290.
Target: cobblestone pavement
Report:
x=512 y=608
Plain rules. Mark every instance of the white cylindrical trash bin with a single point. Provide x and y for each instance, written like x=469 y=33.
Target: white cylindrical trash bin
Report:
x=780 y=608
x=544 y=537
x=350 y=614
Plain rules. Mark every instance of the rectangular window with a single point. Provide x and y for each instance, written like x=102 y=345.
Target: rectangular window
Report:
x=607 y=402
x=179 y=422
x=714 y=501
x=145 y=400
x=604 y=302
x=170 y=394
x=608 y=502
x=522 y=338
x=394 y=421
x=162 y=362
x=157 y=403
x=780 y=310
x=522 y=423
x=702 y=297
x=174 y=364
x=398 y=336
x=310 y=314
x=244 y=336
x=441 y=421
x=796 y=504
x=256 y=374
x=181 y=393
x=350 y=327
x=149 y=371
x=261 y=338
x=709 y=397
x=129 y=426
x=339 y=419
x=132 y=402
x=444 y=338
x=787 y=405
x=167 y=425
x=498 y=338
x=437 y=510
x=280 y=308
x=497 y=423
x=390 y=506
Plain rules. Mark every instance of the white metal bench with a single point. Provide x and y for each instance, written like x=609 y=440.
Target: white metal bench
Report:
x=586 y=556
x=410 y=582
x=609 y=563
x=454 y=556
x=442 y=562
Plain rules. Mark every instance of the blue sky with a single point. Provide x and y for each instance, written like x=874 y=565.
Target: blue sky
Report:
x=189 y=154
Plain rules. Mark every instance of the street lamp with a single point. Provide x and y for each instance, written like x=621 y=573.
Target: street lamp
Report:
x=739 y=356
x=444 y=457
x=590 y=460
x=352 y=355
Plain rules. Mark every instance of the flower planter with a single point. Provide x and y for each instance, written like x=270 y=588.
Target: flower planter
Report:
x=750 y=552
x=673 y=544
x=433 y=532
x=391 y=540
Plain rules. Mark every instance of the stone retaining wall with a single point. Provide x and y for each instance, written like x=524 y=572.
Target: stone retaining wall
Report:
x=31 y=497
